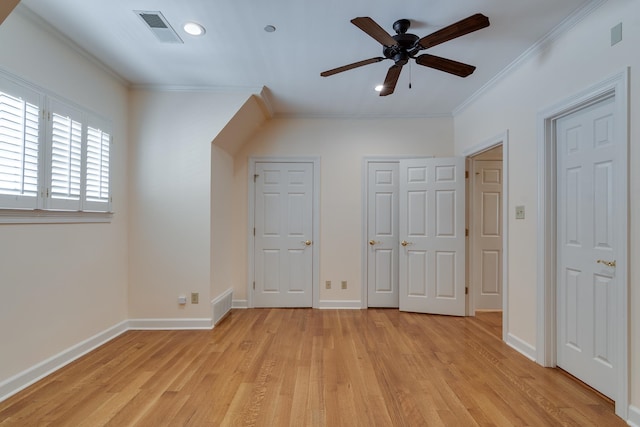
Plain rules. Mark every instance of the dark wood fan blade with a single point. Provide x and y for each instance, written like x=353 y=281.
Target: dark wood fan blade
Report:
x=391 y=80
x=372 y=28
x=468 y=25
x=350 y=66
x=447 y=65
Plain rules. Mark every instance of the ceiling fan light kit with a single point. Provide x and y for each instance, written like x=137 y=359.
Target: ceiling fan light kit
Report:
x=404 y=46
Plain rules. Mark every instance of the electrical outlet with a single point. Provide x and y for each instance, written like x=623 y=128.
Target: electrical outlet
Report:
x=519 y=212
x=327 y=284
x=195 y=298
x=182 y=300
x=344 y=284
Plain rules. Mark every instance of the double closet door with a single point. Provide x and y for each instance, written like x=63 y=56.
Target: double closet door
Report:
x=416 y=235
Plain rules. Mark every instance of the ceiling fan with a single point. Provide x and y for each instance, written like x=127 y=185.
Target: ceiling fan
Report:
x=404 y=46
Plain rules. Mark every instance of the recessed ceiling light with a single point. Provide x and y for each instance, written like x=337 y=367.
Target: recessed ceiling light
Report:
x=194 y=29
x=379 y=88
x=269 y=28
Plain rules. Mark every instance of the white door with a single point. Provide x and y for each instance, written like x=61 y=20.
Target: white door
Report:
x=283 y=221
x=382 y=234
x=486 y=280
x=587 y=286
x=432 y=233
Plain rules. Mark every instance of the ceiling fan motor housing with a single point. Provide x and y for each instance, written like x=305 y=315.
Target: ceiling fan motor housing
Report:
x=400 y=52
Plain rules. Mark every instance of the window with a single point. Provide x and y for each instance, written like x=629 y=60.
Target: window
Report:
x=19 y=147
x=54 y=156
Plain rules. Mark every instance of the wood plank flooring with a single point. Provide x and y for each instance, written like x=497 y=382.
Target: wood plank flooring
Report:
x=300 y=367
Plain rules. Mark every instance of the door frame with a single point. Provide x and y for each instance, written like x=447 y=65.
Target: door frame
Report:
x=251 y=170
x=500 y=139
x=616 y=86
x=364 y=296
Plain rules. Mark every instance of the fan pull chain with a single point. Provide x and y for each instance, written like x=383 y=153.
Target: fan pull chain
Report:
x=409 y=75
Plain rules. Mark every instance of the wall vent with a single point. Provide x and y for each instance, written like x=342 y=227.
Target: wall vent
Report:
x=221 y=306
x=158 y=24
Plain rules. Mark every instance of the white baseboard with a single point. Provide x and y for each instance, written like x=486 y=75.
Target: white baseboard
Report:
x=324 y=304
x=24 y=379
x=522 y=347
x=634 y=416
x=340 y=305
x=169 y=324
x=240 y=303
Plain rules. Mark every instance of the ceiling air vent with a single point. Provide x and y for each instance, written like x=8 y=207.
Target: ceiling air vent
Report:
x=159 y=26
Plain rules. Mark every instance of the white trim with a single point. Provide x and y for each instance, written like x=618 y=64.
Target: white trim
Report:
x=500 y=139
x=169 y=324
x=254 y=90
x=340 y=305
x=40 y=216
x=522 y=347
x=537 y=48
x=267 y=100
x=25 y=378
x=239 y=304
x=487 y=144
x=617 y=86
x=634 y=416
x=315 y=160
x=362 y=116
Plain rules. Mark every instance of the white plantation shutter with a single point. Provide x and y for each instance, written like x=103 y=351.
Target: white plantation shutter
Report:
x=65 y=162
x=97 y=175
x=19 y=146
x=54 y=156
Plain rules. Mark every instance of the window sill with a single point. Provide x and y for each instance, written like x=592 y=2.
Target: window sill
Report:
x=40 y=216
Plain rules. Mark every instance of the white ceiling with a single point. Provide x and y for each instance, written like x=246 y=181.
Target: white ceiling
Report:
x=312 y=36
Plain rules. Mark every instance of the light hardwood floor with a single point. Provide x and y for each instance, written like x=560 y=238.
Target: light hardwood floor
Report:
x=284 y=367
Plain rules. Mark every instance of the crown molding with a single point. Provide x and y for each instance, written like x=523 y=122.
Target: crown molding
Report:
x=536 y=49
x=34 y=18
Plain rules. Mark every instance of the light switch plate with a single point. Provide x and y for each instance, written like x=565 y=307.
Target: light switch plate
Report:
x=616 y=34
x=519 y=212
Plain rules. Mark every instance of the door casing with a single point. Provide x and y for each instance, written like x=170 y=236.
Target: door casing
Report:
x=617 y=86
x=500 y=139
x=315 y=227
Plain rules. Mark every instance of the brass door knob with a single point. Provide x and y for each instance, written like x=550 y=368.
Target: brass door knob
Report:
x=404 y=243
x=372 y=242
x=607 y=263
x=307 y=242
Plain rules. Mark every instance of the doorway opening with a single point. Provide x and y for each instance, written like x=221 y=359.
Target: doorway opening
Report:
x=487 y=224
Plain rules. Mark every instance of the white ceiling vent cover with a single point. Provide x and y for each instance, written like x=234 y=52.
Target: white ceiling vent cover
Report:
x=159 y=26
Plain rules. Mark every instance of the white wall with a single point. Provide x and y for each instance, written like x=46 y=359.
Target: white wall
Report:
x=341 y=145
x=61 y=284
x=171 y=206
x=244 y=123
x=577 y=60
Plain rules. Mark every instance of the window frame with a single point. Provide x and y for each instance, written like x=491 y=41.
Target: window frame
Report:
x=44 y=207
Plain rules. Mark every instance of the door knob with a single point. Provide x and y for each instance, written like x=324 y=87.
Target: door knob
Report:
x=307 y=242
x=373 y=242
x=405 y=243
x=607 y=263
